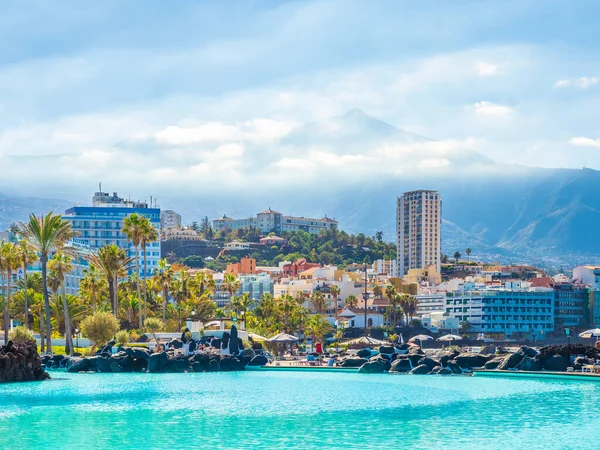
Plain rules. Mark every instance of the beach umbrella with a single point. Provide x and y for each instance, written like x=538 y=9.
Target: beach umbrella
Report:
x=365 y=340
x=450 y=337
x=420 y=337
x=590 y=333
x=401 y=339
x=257 y=337
x=283 y=338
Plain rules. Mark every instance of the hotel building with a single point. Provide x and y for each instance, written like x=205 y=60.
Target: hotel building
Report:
x=100 y=225
x=419 y=220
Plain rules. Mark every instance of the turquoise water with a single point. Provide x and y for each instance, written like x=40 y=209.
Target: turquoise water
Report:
x=297 y=410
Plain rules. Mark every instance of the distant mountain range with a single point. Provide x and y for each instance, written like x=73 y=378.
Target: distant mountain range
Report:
x=504 y=211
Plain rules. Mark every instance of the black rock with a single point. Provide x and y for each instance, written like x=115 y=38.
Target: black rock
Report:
x=363 y=353
x=353 y=362
x=489 y=349
x=581 y=361
x=387 y=349
x=528 y=351
x=420 y=370
x=78 y=365
x=414 y=359
x=429 y=362
x=258 y=360
x=116 y=368
x=231 y=364
x=385 y=362
x=401 y=365
x=234 y=348
x=455 y=368
x=470 y=361
x=530 y=364
x=178 y=364
x=104 y=364
x=444 y=371
x=157 y=362
x=556 y=363
x=493 y=364
x=371 y=367
x=136 y=352
x=511 y=361
x=214 y=366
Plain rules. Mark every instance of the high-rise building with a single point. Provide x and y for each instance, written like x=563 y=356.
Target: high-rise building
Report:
x=169 y=219
x=101 y=224
x=419 y=226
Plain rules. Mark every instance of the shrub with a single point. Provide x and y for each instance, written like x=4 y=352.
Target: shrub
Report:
x=100 y=327
x=20 y=335
x=153 y=325
x=122 y=338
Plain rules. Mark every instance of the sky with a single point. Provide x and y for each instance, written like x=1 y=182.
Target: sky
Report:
x=197 y=95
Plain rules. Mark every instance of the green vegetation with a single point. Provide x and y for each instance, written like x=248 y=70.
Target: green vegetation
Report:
x=122 y=338
x=328 y=247
x=100 y=327
x=20 y=335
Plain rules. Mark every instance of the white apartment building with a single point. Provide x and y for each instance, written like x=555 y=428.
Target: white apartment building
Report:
x=419 y=224
x=273 y=221
x=169 y=219
x=388 y=267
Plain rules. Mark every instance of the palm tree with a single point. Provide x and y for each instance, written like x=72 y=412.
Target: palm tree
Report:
x=468 y=252
x=9 y=262
x=456 y=256
x=242 y=304
x=318 y=302
x=149 y=235
x=92 y=286
x=377 y=291
x=28 y=256
x=335 y=292
x=164 y=275
x=134 y=227
x=61 y=265
x=317 y=327
x=112 y=262
x=351 y=301
x=392 y=296
x=45 y=234
x=230 y=285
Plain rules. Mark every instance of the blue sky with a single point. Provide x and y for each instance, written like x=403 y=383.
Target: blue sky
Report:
x=199 y=91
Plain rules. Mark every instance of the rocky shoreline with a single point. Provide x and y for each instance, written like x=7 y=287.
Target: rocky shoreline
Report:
x=454 y=362
x=21 y=362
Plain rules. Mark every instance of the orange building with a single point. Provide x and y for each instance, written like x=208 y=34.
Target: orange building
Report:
x=246 y=266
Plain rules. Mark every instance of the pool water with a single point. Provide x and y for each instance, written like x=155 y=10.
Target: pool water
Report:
x=298 y=410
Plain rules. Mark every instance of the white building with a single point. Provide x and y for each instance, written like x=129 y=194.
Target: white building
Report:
x=387 y=267
x=169 y=219
x=255 y=285
x=419 y=224
x=585 y=274
x=237 y=245
x=273 y=221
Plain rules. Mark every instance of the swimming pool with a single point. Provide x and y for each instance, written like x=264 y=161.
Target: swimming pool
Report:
x=297 y=410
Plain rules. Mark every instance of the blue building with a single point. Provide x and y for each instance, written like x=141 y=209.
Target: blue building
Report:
x=100 y=225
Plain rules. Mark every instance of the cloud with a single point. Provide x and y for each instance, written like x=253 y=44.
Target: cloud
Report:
x=585 y=142
x=489 y=109
x=486 y=69
x=579 y=83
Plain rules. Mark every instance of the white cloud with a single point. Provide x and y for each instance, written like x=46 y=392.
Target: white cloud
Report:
x=579 y=83
x=489 y=109
x=585 y=142
x=486 y=69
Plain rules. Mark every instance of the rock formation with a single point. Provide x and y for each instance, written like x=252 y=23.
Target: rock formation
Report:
x=21 y=362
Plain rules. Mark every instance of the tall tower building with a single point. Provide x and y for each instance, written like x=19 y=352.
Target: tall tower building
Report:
x=419 y=222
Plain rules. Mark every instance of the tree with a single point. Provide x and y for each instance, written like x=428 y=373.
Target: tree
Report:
x=61 y=265
x=100 y=327
x=379 y=236
x=149 y=234
x=45 y=234
x=335 y=292
x=206 y=229
x=9 y=262
x=164 y=275
x=230 y=285
x=134 y=227
x=242 y=304
x=318 y=302
x=377 y=291
x=444 y=259
x=194 y=226
x=317 y=327
x=465 y=326
x=456 y=256
x=21 y=335
x=112 y=262
x=153 y=325
x=28 y=256
x=393 y=300
x=351 y=301
x=468 y=252
x=122 y=338
x=92 y=286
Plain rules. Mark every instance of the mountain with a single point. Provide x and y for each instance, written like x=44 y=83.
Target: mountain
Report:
x=353 y=167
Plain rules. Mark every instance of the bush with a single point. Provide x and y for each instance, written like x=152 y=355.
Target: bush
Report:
x=153 y=325
x=20 y=335
x=122 y=338
x=100 y=327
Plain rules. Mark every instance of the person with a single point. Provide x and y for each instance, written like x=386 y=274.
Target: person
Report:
x=330 y=362
x=319 y=347
x=597 y=345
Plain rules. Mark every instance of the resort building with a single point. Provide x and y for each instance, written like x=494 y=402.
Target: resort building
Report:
x=254 y=285
x=503 y=312
x=272 y=221
x=169 y=219
x=419 y=224
x=571 y=302
x=100 y=225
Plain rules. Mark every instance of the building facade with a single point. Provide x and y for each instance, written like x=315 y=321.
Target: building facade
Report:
x=419 y=225
x=387 y=267
x=100 y=225
x=169 y=219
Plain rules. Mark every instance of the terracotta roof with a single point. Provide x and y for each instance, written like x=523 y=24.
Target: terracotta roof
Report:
x=270 y=211
x=542 y=282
